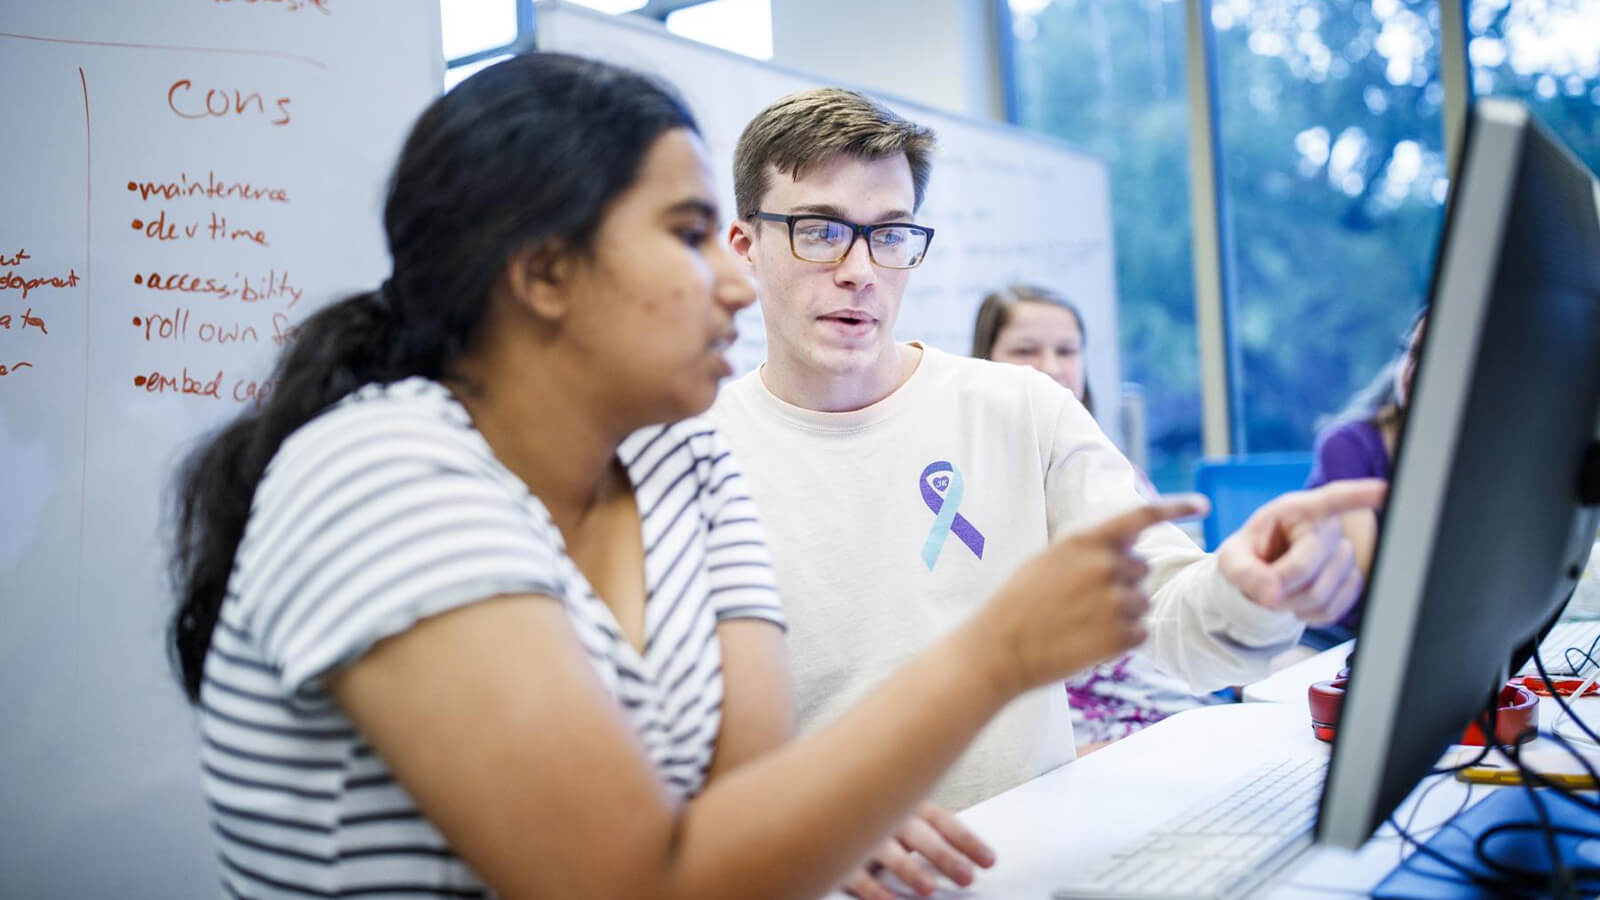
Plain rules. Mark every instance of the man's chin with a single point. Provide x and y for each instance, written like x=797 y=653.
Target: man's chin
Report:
x=845 y=361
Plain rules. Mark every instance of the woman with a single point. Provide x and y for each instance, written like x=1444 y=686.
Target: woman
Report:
x=461 y=614
x=1032 y=326
x=1360 y=442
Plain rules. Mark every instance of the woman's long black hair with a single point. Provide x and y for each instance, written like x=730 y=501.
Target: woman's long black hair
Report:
x=527 y=153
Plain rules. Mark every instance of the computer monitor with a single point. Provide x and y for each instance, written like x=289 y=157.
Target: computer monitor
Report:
x=1484 y=535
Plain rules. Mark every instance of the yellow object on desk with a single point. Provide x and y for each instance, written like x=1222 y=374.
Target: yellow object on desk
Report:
x=1556 y=766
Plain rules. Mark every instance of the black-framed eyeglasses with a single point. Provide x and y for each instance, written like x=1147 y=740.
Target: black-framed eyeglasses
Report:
x=816 y=238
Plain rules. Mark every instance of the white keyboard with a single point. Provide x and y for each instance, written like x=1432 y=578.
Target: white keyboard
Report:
x=1579 y=637
x=1216 y=848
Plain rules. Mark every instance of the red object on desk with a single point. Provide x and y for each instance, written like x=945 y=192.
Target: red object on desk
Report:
x=1566 y=687
x=1516 y=720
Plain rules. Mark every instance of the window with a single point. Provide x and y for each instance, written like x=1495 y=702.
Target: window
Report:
x=1108 y=77
x=611 y=6
x=1331 y=128
x=471 y=26
x=479 y=33
x=1546 y=54
x=743 y=26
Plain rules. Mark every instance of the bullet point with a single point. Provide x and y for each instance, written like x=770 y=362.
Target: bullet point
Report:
x=137 y=224
x=138 y=279
x=132 y=186
x=138 y=381
x=137 y=321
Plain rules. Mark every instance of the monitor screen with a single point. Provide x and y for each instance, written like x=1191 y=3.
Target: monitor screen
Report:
x=1483 y=536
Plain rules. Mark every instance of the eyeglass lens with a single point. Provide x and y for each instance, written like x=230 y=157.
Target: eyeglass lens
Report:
x=824 y=240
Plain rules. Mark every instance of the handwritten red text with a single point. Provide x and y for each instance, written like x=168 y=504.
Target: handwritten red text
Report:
x=184 y=99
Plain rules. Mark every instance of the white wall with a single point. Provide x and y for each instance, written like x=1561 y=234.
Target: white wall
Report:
x=941 y=53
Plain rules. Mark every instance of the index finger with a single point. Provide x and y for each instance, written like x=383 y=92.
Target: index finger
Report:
x=1125 y=527
x=1337 y=497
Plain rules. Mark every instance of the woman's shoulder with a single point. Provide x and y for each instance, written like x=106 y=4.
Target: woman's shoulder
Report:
x=415 y=415
x=1352 y=449
x=411 y=426
x=1352 y=434
x=669 y=451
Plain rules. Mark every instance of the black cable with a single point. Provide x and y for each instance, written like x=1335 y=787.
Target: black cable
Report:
x=1562 y=877
x=1538 y=662
x=1497 y=885
x=1565 y=790
x=1466 y=801
x=1476 y=760
x=1508 y=880
x=1517 y=872
x=1585 y=657
x=1576 y=794
x=1469 y=877
x=1561 y=881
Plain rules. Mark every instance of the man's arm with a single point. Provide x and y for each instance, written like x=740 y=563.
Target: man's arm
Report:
x=1219 y=619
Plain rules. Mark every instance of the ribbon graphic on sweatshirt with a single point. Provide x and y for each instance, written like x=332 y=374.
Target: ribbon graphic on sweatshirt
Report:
x=941 y=476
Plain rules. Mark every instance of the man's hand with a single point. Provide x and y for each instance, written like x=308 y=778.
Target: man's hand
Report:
x=1307 y=551
x=929 y=843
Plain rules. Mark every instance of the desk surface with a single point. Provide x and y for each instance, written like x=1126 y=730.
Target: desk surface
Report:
x=1288 y=685
x=1076 y=815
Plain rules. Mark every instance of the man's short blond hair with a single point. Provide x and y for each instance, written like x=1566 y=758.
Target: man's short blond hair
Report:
x=804 y=130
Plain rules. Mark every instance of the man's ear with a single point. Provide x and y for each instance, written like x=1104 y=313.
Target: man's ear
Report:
x=535 y=276
x=742 y=240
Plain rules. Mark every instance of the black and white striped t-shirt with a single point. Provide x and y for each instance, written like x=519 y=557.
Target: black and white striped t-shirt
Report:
x=390 y=508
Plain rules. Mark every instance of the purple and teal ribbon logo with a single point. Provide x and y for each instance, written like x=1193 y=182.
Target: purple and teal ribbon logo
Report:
x=942 y=489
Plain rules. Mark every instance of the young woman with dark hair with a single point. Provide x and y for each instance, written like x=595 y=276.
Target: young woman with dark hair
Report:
x=474 y=604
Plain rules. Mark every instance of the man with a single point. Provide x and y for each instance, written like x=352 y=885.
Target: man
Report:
x=900 y=486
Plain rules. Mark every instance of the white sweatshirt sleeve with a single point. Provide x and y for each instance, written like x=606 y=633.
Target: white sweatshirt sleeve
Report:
x=1202 y=629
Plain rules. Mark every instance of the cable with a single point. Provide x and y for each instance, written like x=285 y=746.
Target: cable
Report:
x=1538 y=661
x=1502 y=877
x=1561 y=881
x=1417 y=807
x=1498 y=886
x=1562 y=878
x=1476 y=760
x=1566 y=711
x=1585 y=657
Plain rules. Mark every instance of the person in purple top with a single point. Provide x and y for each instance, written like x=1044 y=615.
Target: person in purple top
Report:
x=1360 y=442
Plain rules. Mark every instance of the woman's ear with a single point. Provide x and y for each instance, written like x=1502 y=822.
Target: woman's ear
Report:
x=535 y=277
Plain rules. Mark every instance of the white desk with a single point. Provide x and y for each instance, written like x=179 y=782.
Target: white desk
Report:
x=1076 y=815
x=1288 y=685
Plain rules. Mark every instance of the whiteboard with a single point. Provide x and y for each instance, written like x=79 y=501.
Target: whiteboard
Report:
x=1005 y=205
x=183 y=182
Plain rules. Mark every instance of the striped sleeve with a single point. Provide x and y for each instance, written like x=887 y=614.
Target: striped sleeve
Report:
x=371 y=520
x=739 y=578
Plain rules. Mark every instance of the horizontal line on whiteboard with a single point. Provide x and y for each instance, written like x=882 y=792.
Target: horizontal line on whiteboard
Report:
x=236 y=52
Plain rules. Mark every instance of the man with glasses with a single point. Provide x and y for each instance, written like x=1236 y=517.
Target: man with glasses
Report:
x=900 y=486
